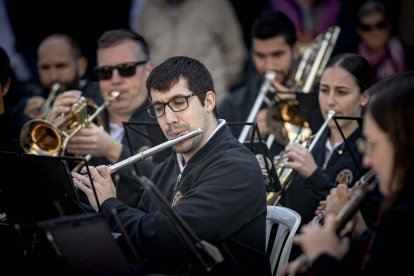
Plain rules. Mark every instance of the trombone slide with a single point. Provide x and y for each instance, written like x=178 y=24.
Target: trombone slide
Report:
x=266 y=87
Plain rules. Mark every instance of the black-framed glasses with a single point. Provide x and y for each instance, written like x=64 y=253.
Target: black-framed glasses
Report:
x=176 y=104
x=127 y=69
x=369 y=27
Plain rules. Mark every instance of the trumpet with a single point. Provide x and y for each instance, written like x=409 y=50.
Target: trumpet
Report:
x=154 y=150
x=362 y=188
x=42 y=137
x=45 y=110
x=286 y=175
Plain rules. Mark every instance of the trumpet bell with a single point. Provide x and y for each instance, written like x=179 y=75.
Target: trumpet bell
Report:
x=43 y=137
x=40 y=137
x=286 y=122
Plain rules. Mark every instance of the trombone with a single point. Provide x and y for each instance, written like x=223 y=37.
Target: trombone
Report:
x=287 y=123
x=264 y=89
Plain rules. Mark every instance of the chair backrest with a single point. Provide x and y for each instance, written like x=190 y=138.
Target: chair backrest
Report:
x=279 y=247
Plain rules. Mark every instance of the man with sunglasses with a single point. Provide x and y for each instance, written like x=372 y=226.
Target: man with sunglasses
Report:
x=213 y=182
x=383 y=51
x=123 y=65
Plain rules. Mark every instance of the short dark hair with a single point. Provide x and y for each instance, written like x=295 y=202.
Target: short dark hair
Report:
x=357 y=66
x=274 y=23
x=164 y=76
x=5 y=67
x=371 y=6
x=115 y=37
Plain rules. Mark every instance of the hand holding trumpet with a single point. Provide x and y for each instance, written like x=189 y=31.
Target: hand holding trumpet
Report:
x=63 y=104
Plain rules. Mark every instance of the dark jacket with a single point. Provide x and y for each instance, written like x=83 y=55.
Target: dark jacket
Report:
x=220 y=195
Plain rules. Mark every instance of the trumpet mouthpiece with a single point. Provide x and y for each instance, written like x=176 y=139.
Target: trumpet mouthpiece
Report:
x=270 y=75
x=115 y=94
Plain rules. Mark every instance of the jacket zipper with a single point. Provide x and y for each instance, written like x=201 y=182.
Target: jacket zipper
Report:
x=177 y=182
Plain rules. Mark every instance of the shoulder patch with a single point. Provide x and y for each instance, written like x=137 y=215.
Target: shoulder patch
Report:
x=177 y=197
x=344 y=177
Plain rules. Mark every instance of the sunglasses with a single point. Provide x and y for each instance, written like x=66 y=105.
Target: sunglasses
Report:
x=366 y=28
x=125 y=70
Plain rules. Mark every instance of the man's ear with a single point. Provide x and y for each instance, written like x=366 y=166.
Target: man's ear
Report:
x=296 y=51
x=210 y=100
x=148 y=68
x=4 y=88
x=82 y=66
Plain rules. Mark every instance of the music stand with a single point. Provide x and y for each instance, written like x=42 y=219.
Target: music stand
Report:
x=359 y=120
x=43 y=188
x=86 y=244
x=262 y=153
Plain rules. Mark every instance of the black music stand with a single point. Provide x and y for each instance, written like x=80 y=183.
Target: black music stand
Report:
x=42 y=189
x=262 y=153
x=359 y=120
x=85 y=243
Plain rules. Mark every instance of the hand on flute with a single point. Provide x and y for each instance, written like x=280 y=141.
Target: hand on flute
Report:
x=316 y=239
x=102 y=182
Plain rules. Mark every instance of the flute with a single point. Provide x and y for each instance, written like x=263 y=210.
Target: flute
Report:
x=363 y=181
x=154 y=150
x=362 y=188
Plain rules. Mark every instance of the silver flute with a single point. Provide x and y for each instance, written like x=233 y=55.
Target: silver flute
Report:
x=359 y=185
x=362 y=188
x=154 y=150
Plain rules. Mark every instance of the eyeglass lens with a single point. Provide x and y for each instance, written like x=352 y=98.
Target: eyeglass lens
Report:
x=176 y=104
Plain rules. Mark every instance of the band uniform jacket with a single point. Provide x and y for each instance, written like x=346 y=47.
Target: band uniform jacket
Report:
x=221 y=196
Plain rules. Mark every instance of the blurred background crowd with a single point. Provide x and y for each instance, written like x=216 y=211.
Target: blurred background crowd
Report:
x=24 y=24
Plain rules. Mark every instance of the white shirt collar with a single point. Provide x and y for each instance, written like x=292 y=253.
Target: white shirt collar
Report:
x=180 y=159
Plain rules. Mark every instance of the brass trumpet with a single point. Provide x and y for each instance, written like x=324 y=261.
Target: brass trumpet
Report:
x=42 y=137
x=45 y=110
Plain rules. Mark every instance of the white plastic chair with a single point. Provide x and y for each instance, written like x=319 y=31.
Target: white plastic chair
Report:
x=288 y=222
